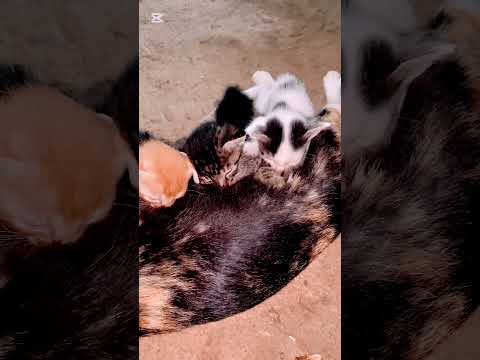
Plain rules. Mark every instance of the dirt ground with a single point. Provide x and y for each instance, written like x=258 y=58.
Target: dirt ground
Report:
x=185 y=64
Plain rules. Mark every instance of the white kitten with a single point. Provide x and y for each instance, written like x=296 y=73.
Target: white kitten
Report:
x=282 y=135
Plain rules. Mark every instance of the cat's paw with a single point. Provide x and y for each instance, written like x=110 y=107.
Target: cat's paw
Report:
x=268 y=176
x=262 y=78
x=332 y=83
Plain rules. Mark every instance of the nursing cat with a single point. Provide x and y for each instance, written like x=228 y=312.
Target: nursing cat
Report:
x=223 y=248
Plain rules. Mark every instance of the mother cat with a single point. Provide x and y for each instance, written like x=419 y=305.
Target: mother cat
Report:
x=219 y=251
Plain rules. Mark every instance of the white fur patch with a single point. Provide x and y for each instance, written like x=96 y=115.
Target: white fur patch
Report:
x=287 y=89
x=286 y=156
x=268 y=92
x=332 y=84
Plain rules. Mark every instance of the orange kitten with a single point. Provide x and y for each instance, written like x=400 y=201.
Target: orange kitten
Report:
x=164 y=173
x=59 y=164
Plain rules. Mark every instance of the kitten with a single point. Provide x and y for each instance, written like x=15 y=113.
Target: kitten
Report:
x=281 y=136
x=164 y=173
x=60 y=163
x=213 y=146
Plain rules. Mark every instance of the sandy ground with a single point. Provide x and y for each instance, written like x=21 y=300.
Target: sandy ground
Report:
x=204 y=45
x=186 y=62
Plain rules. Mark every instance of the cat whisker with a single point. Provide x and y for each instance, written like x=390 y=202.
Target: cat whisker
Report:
x=195 y=192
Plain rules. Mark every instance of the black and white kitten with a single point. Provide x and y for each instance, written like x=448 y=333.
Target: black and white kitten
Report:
x=281 y=135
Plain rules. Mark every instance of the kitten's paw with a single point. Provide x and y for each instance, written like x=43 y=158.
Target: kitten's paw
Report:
x=262 y=78
x=332 y=83
x=269 y=177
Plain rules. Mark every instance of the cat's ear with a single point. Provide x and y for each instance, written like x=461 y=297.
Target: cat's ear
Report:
x=253 y=92
x=150 y=187
x=315 y=131
x=408 y=71
x=17 y=199
x=105 y=118
x=196 y=179
x=233 y=146
x=263 y=142
x=193 y=172
x=256 y=144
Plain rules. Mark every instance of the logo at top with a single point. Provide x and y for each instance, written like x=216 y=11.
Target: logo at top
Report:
x=157 y=18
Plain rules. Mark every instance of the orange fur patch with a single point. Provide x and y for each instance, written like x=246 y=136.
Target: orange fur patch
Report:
x=164 y=172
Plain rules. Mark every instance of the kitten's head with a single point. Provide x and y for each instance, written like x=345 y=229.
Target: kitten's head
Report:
x=282 y=138
x=164 y=173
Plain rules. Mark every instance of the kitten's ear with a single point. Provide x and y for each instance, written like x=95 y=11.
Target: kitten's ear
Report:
x=263 y=141
x=193 y=172
x=261 y=138
x=408 y=71
x=256 y=144
x=105 y=118
x=149 y=186
x=315 y=131
x=233 y=146
x=196 y=179
x=253 y=92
